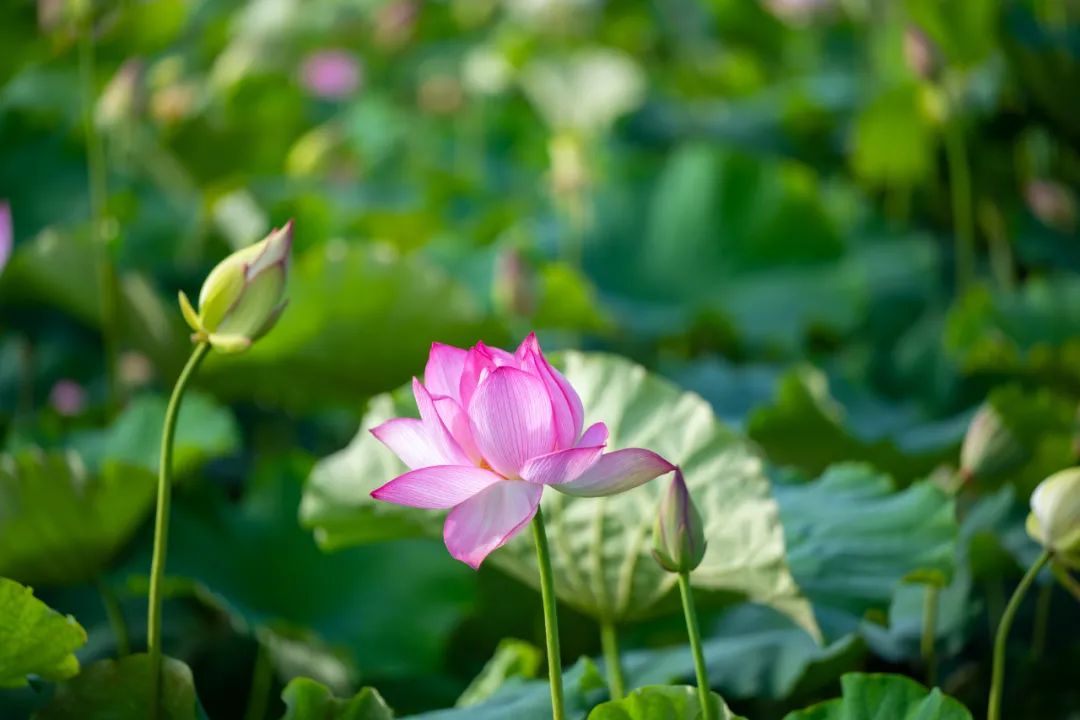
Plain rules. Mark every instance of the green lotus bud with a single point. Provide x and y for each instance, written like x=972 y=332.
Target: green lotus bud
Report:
x=990 y=447
x=243 y=297
x=1054 y=520
x=679 y=534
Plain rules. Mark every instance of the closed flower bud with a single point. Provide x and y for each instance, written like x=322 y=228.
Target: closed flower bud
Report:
x=679 y=534
x=1054 y=520
x=243 y=297
x=990 y=447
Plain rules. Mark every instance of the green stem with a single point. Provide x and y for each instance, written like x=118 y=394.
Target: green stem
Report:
x=998 y=679
x=1066 y=580
x=1042 y=620
x=97 y=179
x=931 y=601
x=161 y=521
x=960 y=187
x=262 y=678
x=551 y=618
x=708 y=712
x=115 y=615
x=609 y=640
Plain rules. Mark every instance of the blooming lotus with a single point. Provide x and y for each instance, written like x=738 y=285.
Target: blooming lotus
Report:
x=495 y=428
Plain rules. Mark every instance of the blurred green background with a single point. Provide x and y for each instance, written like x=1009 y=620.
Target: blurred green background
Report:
x=843 y=222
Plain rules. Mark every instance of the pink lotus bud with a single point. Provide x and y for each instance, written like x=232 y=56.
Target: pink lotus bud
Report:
x=7 y=235
x=920 y=53
x=1052 y=203
x=679 y=533
x=332 y=74
x=67 y=397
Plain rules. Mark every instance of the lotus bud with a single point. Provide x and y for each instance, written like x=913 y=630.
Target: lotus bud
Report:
x=990 y=447
x=1052 y=203
x=514 y=285
x=7 y=237
x=920 y=53
x=679 y=534
x=243 y=297
x=1054 y=520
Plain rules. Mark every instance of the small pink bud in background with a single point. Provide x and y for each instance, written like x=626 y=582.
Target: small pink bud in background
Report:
x=514 y=283
x=1052 y=203
x=332 y=74
x=135 y=369
x=7 y=238
x=67 y=397
x=920 y=53
x=395 y=22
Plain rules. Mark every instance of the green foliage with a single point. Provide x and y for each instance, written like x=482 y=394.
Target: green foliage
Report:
x=853 y=539
x=660 y=702
x=35 y=640
x=60 y=524
x=120 y=690
x=513 y=658
x=806 y=427
x=881 y=697
x=308 y=700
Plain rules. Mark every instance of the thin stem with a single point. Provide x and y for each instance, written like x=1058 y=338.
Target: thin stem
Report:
x=960 y=187
x=1042 y=620
x=931 y=601
x=609 y=640
x=551 y=618
x=262 y=678
x=708 y=712
x=998 y=679
x=1066 y=580
x=161 y=520
x=97 y=179
x=115 y=615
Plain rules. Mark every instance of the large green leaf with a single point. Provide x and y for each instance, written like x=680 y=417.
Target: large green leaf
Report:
x=1033 y=331
x=885 y=697
x=34 y=638
x=601 y=547
x=120 y=690
x=805 y=426
x=661 y=702
x=60 y=525
x=204 y=430
x=308 y=700
x=853 y=539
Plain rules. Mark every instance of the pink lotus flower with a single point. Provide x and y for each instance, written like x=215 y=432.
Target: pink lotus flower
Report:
x=494 y=429
x=6 y=235
x=333 y=74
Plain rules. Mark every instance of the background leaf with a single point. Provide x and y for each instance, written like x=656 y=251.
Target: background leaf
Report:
x=34 y=639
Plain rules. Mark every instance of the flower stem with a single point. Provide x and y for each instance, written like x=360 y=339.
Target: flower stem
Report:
x=1066 y=580
x=956 y=158
x=115 y=615
x=929 y=632
x=997 y=683
x=551 y=618
x=161 y=521
x=1042 y=620
x=97 y=180
x=708 y=712
x=609 y=640
x=262 y=679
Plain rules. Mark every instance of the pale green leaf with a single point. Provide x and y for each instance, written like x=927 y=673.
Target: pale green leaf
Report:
x=308 y=700
x=884 y=697
x=661 y=702
x=59 y=524
x=120 y=690
x=34 y=639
